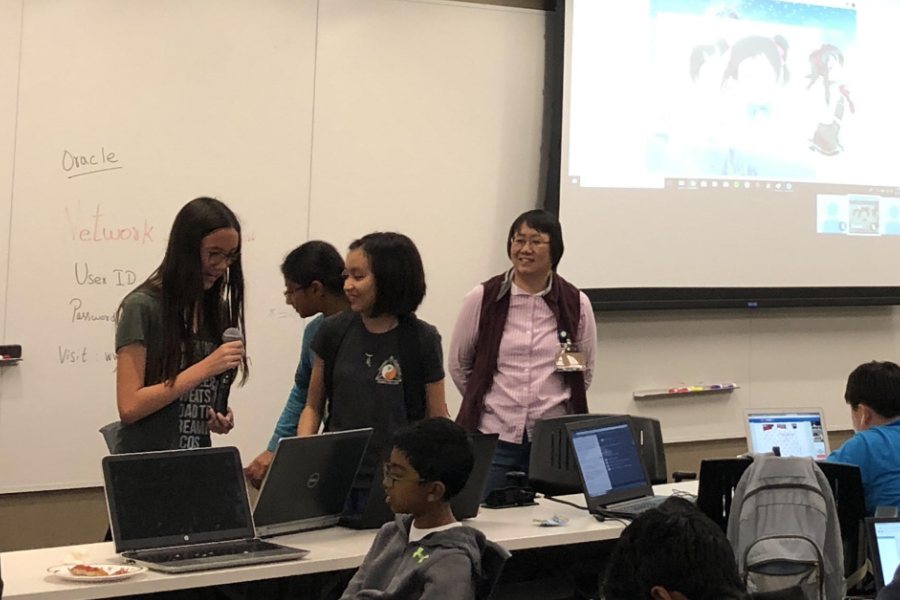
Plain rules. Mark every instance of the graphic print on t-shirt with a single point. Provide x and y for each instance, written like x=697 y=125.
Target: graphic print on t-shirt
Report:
x=193 y=431
x=389 y=372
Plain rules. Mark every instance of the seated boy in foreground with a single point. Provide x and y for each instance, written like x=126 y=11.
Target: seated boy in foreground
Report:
x=425 y=553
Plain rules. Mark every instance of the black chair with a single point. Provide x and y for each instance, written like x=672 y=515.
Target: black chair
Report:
x=719 y=477
x=493 y=558
x=553 y=468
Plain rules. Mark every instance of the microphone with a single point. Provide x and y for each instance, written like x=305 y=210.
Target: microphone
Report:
x=232 y=334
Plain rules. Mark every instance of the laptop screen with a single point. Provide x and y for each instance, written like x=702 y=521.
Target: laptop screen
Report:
x=788 y=434
x=887 y=536
x=190 y=496
x=608 y=459
x=308 y=481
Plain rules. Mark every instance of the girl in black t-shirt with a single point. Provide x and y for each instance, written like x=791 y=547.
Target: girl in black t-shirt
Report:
x=378 y=365
x=169 y=331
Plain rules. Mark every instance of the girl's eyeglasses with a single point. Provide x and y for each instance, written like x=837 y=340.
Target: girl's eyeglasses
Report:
x=216 y=258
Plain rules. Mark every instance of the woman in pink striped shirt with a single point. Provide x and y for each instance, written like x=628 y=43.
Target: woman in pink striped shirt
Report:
x=509 y=334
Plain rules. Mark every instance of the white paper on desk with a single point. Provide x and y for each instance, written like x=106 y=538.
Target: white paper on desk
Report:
x=556 y=521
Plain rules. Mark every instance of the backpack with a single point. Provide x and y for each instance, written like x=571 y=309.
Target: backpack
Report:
x=784 y=529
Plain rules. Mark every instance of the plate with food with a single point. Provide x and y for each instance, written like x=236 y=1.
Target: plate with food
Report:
x=95 y=573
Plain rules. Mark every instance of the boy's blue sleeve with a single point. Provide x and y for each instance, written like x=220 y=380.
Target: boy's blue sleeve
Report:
x=296 y=402
x=853 y=452
x=290 y=416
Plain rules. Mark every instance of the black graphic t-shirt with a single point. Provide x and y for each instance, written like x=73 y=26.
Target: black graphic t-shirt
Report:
x=181 y=424
x=368 y=375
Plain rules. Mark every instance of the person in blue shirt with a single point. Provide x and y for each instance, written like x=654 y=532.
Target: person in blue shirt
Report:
x=313 y=283
x=873 y=393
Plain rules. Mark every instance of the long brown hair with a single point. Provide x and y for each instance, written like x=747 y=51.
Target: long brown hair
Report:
x=178 y=281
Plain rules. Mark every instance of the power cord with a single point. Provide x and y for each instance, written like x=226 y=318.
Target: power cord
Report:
x=605 y=515
x=566 y=502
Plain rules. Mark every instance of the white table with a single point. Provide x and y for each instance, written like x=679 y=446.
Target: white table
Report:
x=26 y=578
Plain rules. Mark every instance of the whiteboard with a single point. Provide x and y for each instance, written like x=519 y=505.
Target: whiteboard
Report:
x=10 y=40
x=391 y=114
x=127 y=110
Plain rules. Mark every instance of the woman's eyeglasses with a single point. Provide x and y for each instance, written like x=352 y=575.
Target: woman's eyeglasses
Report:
x=519 y=243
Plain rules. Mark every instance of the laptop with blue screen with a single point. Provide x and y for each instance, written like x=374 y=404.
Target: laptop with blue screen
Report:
x=884 y=546
x=609 y=462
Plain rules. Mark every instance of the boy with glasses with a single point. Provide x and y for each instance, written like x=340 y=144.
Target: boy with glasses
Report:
x=425 y=553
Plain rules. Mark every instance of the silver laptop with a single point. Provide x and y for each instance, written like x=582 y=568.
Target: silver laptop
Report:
x=787 y=432
x=184 y=510
x=609 y=462
x=307 y=484
x=884 y=544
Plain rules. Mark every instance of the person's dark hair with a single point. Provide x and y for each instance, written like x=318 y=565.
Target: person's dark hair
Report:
x=818 y=65
x=399 y=275
x=677 y=547
x=877 y=385
x=439 y=450
x=542 y=222
x=179 y=282
x=700 y=53
x=773 y=48
x=315 y=261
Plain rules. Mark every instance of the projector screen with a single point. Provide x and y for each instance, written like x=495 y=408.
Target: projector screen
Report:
x=731 y=144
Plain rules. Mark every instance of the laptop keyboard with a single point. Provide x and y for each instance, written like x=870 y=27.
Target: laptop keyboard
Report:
x=206 y=551
x=639 y=505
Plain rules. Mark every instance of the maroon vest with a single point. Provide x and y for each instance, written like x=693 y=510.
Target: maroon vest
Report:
x=563 y=299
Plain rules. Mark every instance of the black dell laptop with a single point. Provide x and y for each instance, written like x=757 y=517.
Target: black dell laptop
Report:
x=307 y=484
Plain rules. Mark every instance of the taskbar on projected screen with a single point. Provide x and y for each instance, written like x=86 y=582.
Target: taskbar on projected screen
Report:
x=754 y=184
x=776 y=186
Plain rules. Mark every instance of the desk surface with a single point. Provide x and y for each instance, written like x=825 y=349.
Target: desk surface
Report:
x=26 y=578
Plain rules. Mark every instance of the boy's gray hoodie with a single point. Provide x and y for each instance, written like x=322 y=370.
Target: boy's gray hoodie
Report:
x=444 y=564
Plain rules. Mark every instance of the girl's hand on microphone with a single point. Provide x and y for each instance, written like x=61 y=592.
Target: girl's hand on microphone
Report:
x=225 y=357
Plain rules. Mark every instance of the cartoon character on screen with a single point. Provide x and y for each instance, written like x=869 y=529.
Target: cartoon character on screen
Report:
x=753 y=71
x=827 y=77
x=708 y=61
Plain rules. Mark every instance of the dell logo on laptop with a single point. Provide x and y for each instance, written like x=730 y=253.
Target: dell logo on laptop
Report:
x=187 y=538
x=313 y=481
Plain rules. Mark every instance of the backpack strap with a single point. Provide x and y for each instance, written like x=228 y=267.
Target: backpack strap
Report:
x=857 y=577
x=413 y=369
x=329 y=356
